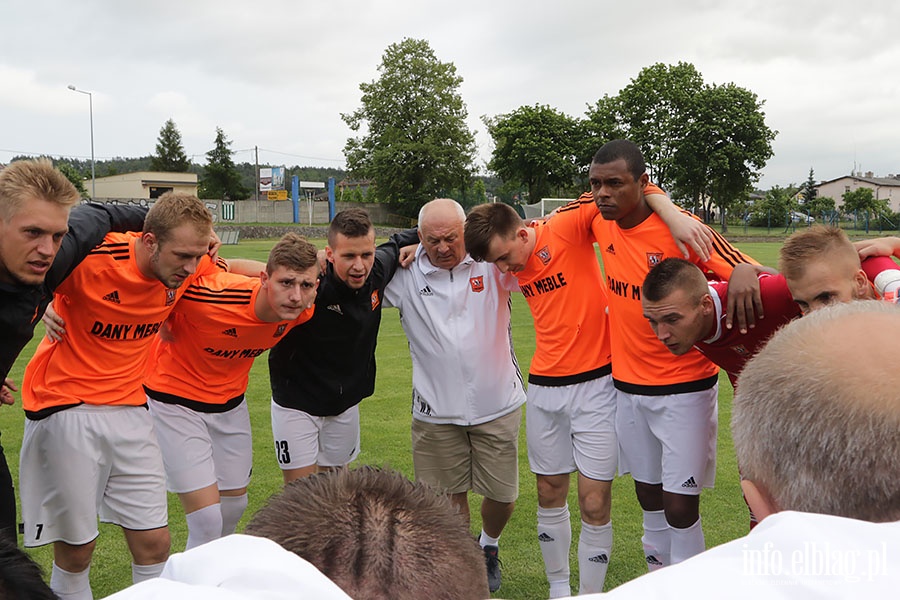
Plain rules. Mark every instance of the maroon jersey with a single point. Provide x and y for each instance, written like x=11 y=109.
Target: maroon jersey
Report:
x=729 y=348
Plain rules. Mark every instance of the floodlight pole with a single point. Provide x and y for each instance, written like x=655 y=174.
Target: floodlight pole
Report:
x=91 y=107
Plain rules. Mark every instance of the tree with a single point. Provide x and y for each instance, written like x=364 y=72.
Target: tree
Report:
x=808 y=190
x=221 y=178
x=775 y=208
x=862 y=200
x=535 y=146
x=656 y=111
x=416 y=142
x=74 y=176
x=725 y=145
x=170 y=156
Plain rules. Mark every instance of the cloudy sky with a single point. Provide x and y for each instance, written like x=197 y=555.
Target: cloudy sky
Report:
x=278 y=74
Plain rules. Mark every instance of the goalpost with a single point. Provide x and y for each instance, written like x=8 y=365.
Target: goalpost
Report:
x=544 y=207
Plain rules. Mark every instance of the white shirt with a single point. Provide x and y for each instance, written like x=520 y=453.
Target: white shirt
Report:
x=789 y=555
x=236 y=567
x=457 y=322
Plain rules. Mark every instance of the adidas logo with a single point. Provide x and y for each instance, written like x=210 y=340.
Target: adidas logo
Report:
x=426 y=291
x=112 y=297
x=600 y=558
x=544 y=537
x=652 y=560
x=230 y=332
x=336 y=308
x=610 y=249
x=690 y=483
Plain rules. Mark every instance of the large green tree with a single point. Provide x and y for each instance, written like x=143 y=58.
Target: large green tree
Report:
x=416 y=143
x=535 y=146
x=221 y=179
x=656 y=110
x=726 y=144
x=170 y=156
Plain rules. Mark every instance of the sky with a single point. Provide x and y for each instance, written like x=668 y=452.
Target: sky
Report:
x=277 y=75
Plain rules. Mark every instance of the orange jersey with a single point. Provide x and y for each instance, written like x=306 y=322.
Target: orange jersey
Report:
x=215 y=335
x=563 y=286
x=112 y=312
x=640 y=363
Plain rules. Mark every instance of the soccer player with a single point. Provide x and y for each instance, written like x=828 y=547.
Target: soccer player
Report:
x=89 y=441
x=322 y=371
x=797 y=424
x=570 y=420
x=467 y=388
x=666 y=420
x=198 y=374
x=822 y=267
x=687 y=311
x=42 y=238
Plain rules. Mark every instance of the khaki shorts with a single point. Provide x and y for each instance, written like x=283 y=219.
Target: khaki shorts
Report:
x=483 y=458
x=86 y=457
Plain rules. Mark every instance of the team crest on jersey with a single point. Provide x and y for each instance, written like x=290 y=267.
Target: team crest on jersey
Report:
x=280 y=331
x=653 y=259
x=544 y=254
x=741 y=350
x=477 y=283
x=170 y=296
x=375 y=300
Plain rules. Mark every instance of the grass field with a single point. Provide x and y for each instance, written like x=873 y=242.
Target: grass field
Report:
x=386 y=441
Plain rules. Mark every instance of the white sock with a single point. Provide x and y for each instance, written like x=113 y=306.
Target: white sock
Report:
x=204 y=525
x=141 y=573
x=486 y=540
x=233 y=508
x=656 y=540
x=71 y=586
x=594 y=549
x=555 y=538
x=687 y=542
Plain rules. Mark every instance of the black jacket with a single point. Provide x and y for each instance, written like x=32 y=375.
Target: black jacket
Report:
x=327 y=365
x=22 y=306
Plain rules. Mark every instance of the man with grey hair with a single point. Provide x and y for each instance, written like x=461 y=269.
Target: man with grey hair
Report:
x=815 y=424
x=467 y=388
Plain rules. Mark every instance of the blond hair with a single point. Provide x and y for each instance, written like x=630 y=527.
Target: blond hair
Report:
x=38 y=178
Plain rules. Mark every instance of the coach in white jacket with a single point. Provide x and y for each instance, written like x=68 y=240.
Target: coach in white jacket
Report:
x=467 y=389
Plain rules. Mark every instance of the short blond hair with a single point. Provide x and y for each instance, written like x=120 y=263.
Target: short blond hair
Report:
x=174 y=209
x=812 y=244
x=26 y=179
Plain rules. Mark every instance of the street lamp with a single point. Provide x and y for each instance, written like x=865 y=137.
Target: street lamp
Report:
x=91 y=105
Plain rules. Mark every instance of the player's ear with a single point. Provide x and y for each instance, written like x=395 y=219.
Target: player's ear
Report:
x=862 y=284
x=759 y=501
x=643 y=180
x=522 y=234
x=329 y=254
x=707 y=304
x=263 y=279
x=148 y=238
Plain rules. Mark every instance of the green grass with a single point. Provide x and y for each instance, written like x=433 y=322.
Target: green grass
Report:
x=386 y=441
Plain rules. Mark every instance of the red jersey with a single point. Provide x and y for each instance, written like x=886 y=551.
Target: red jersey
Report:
x=729 y=348
x=112 y=313
x=215 y=335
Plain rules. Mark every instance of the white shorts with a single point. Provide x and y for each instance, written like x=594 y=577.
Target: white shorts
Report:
x=201 y=449
x=90 y=460
x=302 y=439
x=571 y=428
x=669 y=439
